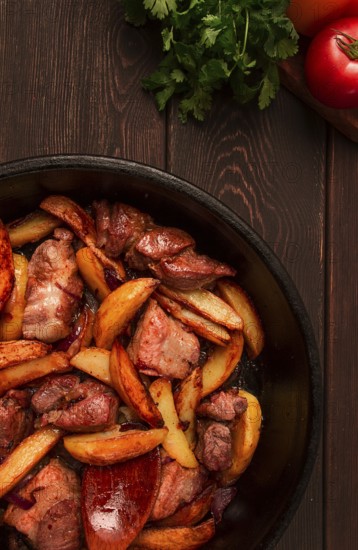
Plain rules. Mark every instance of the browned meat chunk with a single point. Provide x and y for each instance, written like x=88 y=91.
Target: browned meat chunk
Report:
x=16 y=420
x=118 y=226
x=189 y=270
x=222 y=498
x=53 y=291
x=161 y=346
x=90 y=406
x=52 y=394
x=178 y=486
x=224 y=405
x=213 y=449
x=54 y=522
x=63 y=234
x=155 y=244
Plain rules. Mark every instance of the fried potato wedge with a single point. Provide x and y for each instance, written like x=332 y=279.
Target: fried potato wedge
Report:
x=187 y=398
x=190 y=513
x=175 y=538
x=31 y=228
x=118 y=309
x=17 y=375
x=25 y=456
x=207 y=304
x=129 y=386
x=13 y=352
x=81 y=334
x=92 y=272
x=175 y=442
x=203 y=327
x=7 y=270
x=245 y=437
x=73 y=215
x=115 y=266
x=13 y=311
x=109 y=447
x=95 y=362
x=221 y=363
x=253 y=330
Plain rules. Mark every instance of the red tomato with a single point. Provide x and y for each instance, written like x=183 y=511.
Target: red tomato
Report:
x=352 y=8
x=331 y=65
x=309 y=16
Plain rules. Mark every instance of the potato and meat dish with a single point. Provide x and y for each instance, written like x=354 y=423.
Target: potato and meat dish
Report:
x=120 y=420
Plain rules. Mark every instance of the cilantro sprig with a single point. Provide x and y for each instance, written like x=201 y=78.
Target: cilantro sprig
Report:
x=211 y=43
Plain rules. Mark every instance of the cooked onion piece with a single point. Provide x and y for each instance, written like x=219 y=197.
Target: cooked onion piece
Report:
x=13 y=352
x=245 y=437
x=222 y=363
x=254 y=335
x=129 y=386
x=13 y=311
x=25 y=456
x=18 y=375
x=203 y=327
x=175 y=442
x=109 y=447
x=207 y=304
x=31 y=228
x=73 y=215
x=187 y=398
x=118 y=309
x=175 y=538
x=95 y=362
x=7 y=270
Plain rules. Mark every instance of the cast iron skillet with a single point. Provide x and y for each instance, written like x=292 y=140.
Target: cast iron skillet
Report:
x=287 y=376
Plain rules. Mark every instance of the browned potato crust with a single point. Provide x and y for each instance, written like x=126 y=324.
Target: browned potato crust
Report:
x=7 y=270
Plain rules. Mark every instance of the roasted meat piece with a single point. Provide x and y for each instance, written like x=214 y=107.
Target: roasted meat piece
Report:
x=223 y=406
x=214 y=447
x=189 y=270
x=155 y=244
x=118 y=226
x=161 y=346
x=16 y=420
x=178 y=486
x=54 y=522
x=76 y=406
x=53 y=292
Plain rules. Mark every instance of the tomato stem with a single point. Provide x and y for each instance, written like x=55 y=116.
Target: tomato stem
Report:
x=348 y=46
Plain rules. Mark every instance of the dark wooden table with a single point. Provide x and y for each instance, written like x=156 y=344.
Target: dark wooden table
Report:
x=70 y=75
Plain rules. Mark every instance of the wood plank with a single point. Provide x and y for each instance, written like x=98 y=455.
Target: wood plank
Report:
x=258 y=164
x=70 y=82
x=341 y=433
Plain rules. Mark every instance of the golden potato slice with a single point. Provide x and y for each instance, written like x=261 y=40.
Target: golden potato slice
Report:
x=253 y=330
x=13 y=312
x=13 y=352
x=92 y=272
x=190 y=513
x=116 y=266
x=31 y=228
x=187 y=398
x=109 y=447
x=25 y=456
x=7 y=270
x=175 y=442
x=175 y=538
x=95 y=362
x=222 y=363
x=118 y=309
x=25 y=372
x=207 y=304
x=81 y=334
x=203 y=327
x=129 y=386
x=245 y=437
x=73 y=215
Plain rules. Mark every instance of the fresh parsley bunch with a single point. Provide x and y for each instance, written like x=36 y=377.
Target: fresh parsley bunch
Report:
x=210 y=43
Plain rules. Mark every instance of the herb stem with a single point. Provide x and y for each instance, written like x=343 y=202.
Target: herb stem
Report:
x=247 y=23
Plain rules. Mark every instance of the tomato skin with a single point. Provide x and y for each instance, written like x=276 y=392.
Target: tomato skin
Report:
x=310 y=16
x=352 y=8
x=331 y=76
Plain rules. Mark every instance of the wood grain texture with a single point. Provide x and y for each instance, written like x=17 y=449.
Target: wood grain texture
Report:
x=341 y=434
x=70 y=82
x=258 y=164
